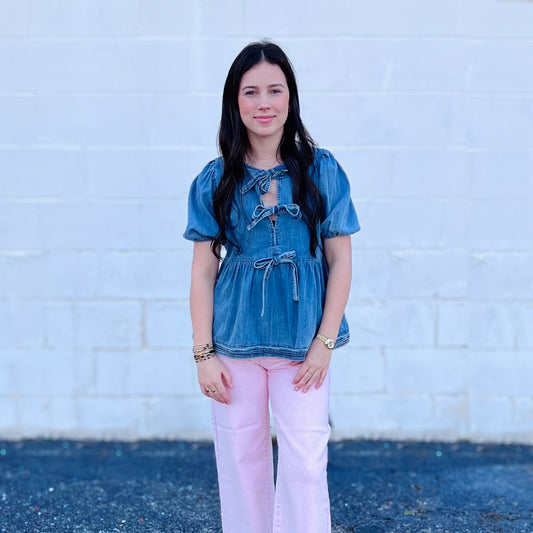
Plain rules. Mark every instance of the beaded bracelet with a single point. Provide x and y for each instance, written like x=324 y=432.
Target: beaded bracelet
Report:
x=198 y=358
x=202 y=347
x=203 y=352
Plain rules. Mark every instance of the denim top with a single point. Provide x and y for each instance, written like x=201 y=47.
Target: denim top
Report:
x=270 y=291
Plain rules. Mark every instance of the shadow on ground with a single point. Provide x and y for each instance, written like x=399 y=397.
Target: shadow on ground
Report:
x=170 y=487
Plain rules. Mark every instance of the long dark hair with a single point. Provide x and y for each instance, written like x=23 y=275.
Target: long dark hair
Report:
x=296 y=147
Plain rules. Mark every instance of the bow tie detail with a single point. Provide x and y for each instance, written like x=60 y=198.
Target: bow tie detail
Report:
x=268 y=263
x=261 y=212
x=260 y=179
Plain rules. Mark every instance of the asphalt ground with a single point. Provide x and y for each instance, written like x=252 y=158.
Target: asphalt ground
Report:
x=171 y=487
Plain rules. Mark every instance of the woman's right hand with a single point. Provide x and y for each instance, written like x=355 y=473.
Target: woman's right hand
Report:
x=215 y=379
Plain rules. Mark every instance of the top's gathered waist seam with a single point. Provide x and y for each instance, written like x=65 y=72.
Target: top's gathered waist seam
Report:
x=252 y=261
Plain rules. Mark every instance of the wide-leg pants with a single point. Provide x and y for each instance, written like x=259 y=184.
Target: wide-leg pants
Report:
x=299 y=503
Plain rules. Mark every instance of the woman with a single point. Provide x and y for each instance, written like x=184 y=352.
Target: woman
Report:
x=267 y=316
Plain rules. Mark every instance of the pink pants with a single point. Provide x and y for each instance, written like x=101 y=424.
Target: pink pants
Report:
x=243 y=446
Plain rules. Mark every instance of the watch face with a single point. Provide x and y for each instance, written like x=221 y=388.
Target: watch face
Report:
x=329 y=343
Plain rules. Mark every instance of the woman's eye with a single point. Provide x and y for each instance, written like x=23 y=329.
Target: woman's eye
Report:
x=249 y=93
x=276 y=90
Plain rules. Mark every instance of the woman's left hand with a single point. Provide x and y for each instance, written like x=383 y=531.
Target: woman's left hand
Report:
x=314 y=369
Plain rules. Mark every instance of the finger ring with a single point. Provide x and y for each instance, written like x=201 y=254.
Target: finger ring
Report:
x=207 y=390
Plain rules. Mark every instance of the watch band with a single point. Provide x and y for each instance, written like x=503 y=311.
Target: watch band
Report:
x=329 y=343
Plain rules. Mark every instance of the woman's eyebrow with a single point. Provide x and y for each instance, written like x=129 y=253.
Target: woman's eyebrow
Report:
x=270 y=86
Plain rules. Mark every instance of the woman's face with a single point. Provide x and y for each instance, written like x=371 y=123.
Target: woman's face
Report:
x=264 y=101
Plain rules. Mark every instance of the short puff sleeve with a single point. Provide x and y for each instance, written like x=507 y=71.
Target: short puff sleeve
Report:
x=340 y=216
x=201 y=223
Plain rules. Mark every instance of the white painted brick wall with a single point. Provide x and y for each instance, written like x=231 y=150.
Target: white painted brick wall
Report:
x=108 y=109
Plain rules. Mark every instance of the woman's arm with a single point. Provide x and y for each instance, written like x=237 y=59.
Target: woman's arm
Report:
x=203 y=277
x=338 y=252
x=212 y=373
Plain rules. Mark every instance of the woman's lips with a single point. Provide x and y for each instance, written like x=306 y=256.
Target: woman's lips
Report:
x=265 y=119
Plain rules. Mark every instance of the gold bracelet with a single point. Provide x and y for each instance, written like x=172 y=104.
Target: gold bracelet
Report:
x=202 y=347
x=203 y=352
x=204 y=356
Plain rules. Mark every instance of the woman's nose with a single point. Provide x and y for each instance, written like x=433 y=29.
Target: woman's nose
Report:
x=264 y=102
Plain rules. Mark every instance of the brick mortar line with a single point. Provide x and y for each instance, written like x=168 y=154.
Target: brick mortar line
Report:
x=467 y=350
x=29 y=253
x=185 y=149
x=464 y=93
x=169 y=199
x=143 y=38
x=460 y=92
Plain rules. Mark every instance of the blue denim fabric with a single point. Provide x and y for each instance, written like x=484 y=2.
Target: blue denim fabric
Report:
x=270 y=290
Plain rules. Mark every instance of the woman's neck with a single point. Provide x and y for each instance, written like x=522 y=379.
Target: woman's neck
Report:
x=264 y=153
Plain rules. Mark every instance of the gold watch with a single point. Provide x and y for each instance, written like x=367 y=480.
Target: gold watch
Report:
x=329 y=343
